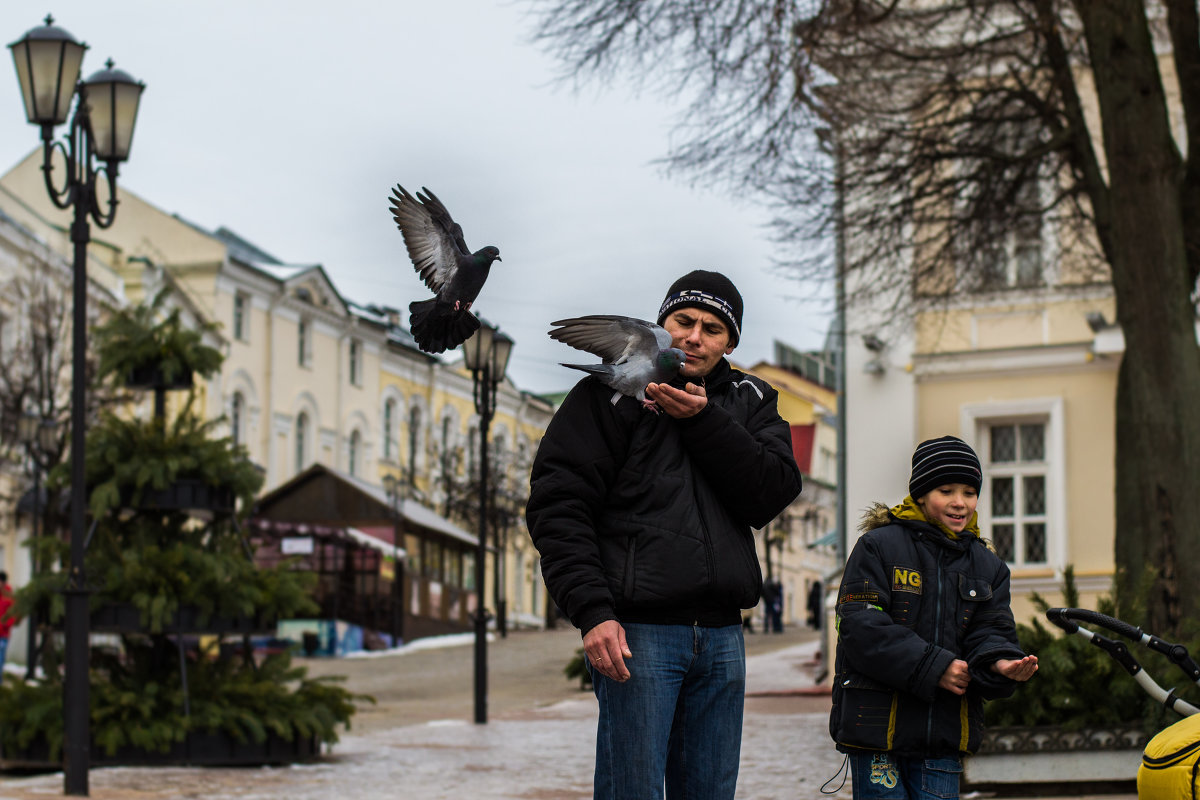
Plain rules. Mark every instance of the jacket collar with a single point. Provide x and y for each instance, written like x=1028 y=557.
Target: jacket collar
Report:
x=717 y=377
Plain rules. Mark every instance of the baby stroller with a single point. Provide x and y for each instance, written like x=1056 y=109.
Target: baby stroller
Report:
x=1170 y=766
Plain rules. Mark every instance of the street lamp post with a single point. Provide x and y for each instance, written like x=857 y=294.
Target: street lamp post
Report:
x=486 y=355
x=40 y=437
x=48 y=60
x=393 y=488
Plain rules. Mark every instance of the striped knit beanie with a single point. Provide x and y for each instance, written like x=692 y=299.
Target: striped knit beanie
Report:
x=709 y=290
x=937 y=462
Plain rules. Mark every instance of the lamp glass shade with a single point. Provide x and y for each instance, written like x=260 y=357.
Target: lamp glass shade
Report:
x=113 y=98
x=389 y=485
x=47 y=436
x=47 y=61
x=477 y=347
x=27 y=428
x=502 y=346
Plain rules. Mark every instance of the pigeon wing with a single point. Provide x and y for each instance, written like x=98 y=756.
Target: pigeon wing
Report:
x=614 y=338
x=433 y=239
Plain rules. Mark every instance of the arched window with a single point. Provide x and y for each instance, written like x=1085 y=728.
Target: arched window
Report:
x=237 y=413
x=389 y=421
x=355 y=448
x=301 y=440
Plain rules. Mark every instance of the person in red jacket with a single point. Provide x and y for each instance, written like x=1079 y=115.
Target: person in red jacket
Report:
x=7 y=618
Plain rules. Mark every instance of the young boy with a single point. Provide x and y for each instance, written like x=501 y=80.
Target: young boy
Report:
x=925 y=634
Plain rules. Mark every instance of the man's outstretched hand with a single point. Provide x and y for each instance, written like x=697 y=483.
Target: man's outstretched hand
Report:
x=678 y=403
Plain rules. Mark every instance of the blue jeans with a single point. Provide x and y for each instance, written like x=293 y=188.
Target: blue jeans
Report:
x=3 y=653
x=884 y=776
x=677 y=721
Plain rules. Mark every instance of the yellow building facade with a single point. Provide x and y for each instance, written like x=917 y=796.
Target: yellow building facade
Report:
x=310 y=377
x=799 y=548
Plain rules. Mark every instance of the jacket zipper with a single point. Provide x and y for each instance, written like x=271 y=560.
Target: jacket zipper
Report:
x=937 y=641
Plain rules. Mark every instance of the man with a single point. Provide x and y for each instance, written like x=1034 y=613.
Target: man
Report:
x=643 y=524
x=7 y=620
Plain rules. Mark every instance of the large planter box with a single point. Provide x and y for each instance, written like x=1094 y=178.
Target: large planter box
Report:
x=208 y=749
x=1055 y=760
x=125 y=618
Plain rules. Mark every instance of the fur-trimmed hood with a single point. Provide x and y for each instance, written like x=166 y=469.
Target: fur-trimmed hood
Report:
x=876 y=516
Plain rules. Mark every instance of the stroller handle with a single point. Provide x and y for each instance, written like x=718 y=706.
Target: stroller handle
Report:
x=1066 y=618
x=1177 y=654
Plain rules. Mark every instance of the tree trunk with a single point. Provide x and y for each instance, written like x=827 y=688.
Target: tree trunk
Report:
x=1157 y=547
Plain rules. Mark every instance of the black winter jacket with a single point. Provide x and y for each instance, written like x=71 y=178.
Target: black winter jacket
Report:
x=911 y=601
x=641 y=517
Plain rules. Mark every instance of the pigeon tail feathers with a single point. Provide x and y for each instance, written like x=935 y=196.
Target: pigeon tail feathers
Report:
x=437 y=327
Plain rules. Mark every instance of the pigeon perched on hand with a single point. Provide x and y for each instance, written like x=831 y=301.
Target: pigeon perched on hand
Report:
x=635 y=352
x=455 y=274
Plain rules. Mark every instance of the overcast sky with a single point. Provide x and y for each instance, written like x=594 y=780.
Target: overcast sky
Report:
x=289 y=122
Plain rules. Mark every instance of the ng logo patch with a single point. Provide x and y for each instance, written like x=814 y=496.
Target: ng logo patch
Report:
x=906 y=580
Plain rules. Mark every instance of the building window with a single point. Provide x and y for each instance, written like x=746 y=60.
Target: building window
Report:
x=433 y=560
x=237 y=413
x=301 y=440
x=355 y=362
x=389 y=421
x=414 y=433
x=304 y=344
x=241 y=316
x=519 y=594
x=1023 y=507
x=454 y=562
x=1017 y=499
x=355 y=449
x=1014 y=260
x=473 y=449
x=469 y=571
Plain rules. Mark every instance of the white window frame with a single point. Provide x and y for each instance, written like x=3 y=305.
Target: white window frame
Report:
x=974 y=422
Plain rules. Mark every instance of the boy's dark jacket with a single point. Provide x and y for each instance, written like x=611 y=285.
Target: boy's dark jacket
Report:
x=911 y=601
x=640 y=517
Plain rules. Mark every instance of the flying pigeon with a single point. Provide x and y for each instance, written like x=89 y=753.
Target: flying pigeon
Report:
x=635 y=352
x=455 y=274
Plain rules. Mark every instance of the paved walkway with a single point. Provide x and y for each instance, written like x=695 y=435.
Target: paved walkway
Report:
x=526 y=751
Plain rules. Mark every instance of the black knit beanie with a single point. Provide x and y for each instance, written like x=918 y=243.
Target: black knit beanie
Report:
x=711 y=291
x=937 y=462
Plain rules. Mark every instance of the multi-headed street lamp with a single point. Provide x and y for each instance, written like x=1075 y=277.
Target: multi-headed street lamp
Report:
x=40 y=437
x=48 y=60
x=486 y=355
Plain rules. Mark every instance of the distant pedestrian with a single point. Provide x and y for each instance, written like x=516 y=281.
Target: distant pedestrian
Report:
x=816 y=605
x=7 y=617
x=925 y=634
x=772 y=606
x=643 y=521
